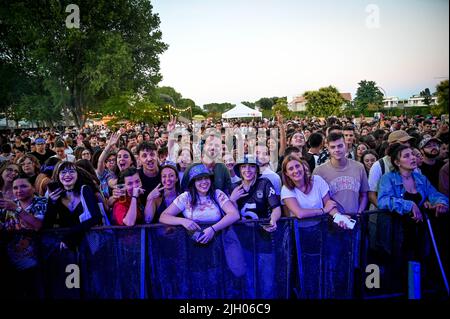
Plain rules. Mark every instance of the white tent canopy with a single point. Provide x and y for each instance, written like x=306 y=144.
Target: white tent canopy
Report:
x=241 y=111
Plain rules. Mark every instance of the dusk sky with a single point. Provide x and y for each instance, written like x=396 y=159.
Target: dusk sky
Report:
x=242 y=50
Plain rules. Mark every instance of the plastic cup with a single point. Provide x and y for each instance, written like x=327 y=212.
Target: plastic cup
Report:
x=123 y=197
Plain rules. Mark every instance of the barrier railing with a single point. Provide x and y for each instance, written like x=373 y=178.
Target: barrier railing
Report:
x=307 y=259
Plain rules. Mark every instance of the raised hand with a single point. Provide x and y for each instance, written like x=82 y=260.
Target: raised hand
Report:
x=55 y=194
x=155 y=193
x=171 y=124
x=138 y=191
x=114 y=138
x=237 y=193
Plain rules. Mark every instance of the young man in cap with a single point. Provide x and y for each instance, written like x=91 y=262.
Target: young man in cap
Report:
x=429 y=147
x=41 y=153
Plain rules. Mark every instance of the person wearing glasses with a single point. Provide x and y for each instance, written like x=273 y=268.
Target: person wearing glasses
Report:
x=8 y=172
x=65 y=208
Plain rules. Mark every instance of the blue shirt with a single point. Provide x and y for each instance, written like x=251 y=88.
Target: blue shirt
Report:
x=391 y=191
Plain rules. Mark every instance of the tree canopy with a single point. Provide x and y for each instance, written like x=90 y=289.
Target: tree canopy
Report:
x=442 y=92
x=426 y=94
x=113 y=54
x=368 y=93
x=324 y=102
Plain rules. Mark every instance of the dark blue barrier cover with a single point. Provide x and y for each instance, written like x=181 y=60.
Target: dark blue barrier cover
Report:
x=305 y=259
x=325 y=257
x=241 y=262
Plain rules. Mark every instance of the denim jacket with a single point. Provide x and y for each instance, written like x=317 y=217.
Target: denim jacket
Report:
x=391 y=190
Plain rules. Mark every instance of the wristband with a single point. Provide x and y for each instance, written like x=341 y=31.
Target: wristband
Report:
x=213 y=229
x=323 y=211
x=134 y=197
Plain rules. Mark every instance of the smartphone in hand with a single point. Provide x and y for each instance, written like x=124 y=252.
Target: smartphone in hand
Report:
x=52 y=186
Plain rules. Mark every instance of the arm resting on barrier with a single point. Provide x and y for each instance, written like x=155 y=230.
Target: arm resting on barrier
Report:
x=363 y=201
x=388 y=199
x=299 y=212
x=168 y=217
x=373 y=198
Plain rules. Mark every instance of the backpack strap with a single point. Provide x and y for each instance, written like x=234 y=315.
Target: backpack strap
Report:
x=382 y=165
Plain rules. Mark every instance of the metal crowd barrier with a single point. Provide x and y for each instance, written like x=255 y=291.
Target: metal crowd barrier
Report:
x=304 y=259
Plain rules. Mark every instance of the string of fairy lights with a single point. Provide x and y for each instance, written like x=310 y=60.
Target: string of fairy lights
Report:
x=178 y=110
x=115 y=113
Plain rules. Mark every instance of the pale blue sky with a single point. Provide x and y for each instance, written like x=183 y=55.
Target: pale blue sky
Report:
x=232 y=51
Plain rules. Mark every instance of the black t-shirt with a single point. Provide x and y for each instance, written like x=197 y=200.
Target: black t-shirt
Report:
x=43 y=157
x=260 y=201
x=149 y=183
x=432 y=172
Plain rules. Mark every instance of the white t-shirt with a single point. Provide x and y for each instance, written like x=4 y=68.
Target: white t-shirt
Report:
x=312 y=200
x=205 y=210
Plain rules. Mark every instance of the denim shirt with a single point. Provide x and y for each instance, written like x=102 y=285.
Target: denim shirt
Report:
x=391 y=191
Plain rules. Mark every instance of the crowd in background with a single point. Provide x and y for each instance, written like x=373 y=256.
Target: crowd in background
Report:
x=217 y=172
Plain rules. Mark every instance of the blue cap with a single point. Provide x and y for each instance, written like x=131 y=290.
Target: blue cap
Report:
x=39 y=140
x=198 y=171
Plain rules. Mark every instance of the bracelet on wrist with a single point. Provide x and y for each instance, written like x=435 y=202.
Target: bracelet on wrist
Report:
x=213 y=229
x=322 y=210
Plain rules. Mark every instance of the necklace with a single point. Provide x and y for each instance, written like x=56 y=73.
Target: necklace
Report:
x=406 y=176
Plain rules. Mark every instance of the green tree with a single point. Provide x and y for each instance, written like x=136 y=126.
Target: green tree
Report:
x=282 y=107
x=368 y=93
x=266 y=103
x=216 y=109
x=115 y=50
x=442 y=91
x=426 y=94
x=324 y=102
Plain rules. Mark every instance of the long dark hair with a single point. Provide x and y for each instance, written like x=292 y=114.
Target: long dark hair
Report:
x=195 y=196
x=88 y=167
x=178 y=183
x=133 y=159
x=83 y=178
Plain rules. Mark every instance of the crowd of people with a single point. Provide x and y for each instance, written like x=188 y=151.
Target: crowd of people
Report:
x=216 y=172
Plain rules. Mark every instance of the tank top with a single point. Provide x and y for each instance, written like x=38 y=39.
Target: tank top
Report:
x=416 y=198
